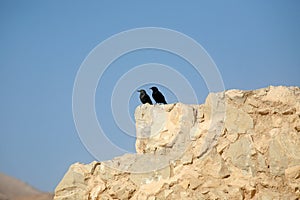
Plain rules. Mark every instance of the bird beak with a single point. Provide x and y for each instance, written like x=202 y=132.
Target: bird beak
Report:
x=138 y=90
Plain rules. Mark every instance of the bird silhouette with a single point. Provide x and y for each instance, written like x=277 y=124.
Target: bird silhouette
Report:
x=157 y=96
x=144 y=97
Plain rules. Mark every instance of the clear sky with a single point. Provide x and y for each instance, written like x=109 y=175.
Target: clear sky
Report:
x=43 y=43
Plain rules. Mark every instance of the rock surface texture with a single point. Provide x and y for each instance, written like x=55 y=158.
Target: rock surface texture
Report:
x=238 y=145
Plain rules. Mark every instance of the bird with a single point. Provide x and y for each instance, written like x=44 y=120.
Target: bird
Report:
x=144 y=97
x=157 y=96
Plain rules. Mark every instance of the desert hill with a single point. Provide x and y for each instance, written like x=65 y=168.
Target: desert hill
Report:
x=14 y=189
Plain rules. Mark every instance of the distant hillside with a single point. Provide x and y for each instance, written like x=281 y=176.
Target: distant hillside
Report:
x=14 y=189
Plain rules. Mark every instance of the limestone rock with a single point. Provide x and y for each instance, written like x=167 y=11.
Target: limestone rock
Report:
x=238 y=145
x=237 y=121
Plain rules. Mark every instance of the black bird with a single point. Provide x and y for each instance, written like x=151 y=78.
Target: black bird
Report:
x=144 y=97
x=157 y=96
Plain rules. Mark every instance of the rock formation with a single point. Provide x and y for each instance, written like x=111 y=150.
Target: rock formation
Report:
x=238 y=145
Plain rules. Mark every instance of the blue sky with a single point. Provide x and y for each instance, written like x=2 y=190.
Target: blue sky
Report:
x=43 y=43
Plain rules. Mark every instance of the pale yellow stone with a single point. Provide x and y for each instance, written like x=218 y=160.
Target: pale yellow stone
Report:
x=252 y=102
x=236 y=95
x=222 y=144
x=167 y=193
x=239 y=153
x=238 y=145
x=277 y=158
x=73 y=185
x=232 y=137
x=237 y=121
x=145 y=178
x=96 y=191
x=184 y=184
x=282 y=94
x=293 y=172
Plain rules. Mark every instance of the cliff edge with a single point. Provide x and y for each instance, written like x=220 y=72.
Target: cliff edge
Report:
x=238 y=145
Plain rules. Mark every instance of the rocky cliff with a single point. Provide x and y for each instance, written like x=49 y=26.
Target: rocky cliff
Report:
x=238 y=145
